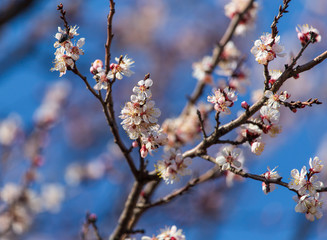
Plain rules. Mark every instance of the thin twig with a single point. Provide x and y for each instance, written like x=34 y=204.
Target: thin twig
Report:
x=260 y=178
x=282 y=10
x=88 y=86
x=298 y=104
x=109 y=35
x=210 y=174
x=233 y=142
x=201 y=124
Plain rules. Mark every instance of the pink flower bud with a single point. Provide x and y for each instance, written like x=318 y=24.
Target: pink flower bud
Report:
x=135 y=144
x=143 y=151
x=245 y=105
x=38 y=161
x=296 y=76
x=93 y=70
x=92 y=217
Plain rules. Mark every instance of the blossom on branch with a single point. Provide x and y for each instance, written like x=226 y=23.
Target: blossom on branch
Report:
x=269 y=115
x=222 y=99
x=140 y=119
x=310 y=205
x=298 y=180
x=267 y=48
x=186 y=128
x=200 y=70
x=274 y=75
x=121 y=68
x=315 y=165
x=173 y=165
x=66 y=53
x=306 y=34
x=257 y=147
x=270 y=175
x=275 y=99
x=247 y=21
x=170 y=233
x=229 y=157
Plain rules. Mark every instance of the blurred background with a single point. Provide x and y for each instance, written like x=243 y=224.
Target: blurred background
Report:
x=164 y=38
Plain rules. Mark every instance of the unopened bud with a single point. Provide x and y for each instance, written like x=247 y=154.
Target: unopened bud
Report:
x=92 y=217
x=245 y=105
x=135 y=144
x=93 y=70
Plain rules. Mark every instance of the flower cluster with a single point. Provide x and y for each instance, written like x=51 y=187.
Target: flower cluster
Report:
x=267 y=48
x=93 y=170
x=274 y=75
x=140 y=118
x=310 y=205
x=173 y=165
x=66 y=52
x=230 y=157
x=22 y=203
x=306 y=184
x=306 y=34
x=237 y=6
x=222 y=99
x=268 y=122
x=170 y=233
x=252 y=133
x=10 y=130
x=270 y=175
x=49 y=111
x=186 y=128
x=200 y=70
x=117 y=71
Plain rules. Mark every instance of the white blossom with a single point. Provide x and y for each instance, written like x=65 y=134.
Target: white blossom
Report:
x=52 y=195
x=267 y=48
x=121 y=68
x=315 y=165
x=306 y=33
x=171 y=233
x=310 y=205
x=274 y=99
x=142 y=91
x=298 y=179
x=270 y=175
x=257 y=147
x=200 y=69
x=247 y=21
x=229 y=157
x=269 y=115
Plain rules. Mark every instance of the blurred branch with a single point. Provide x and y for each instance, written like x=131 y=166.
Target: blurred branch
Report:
x=13 y=9
x=218 y=50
